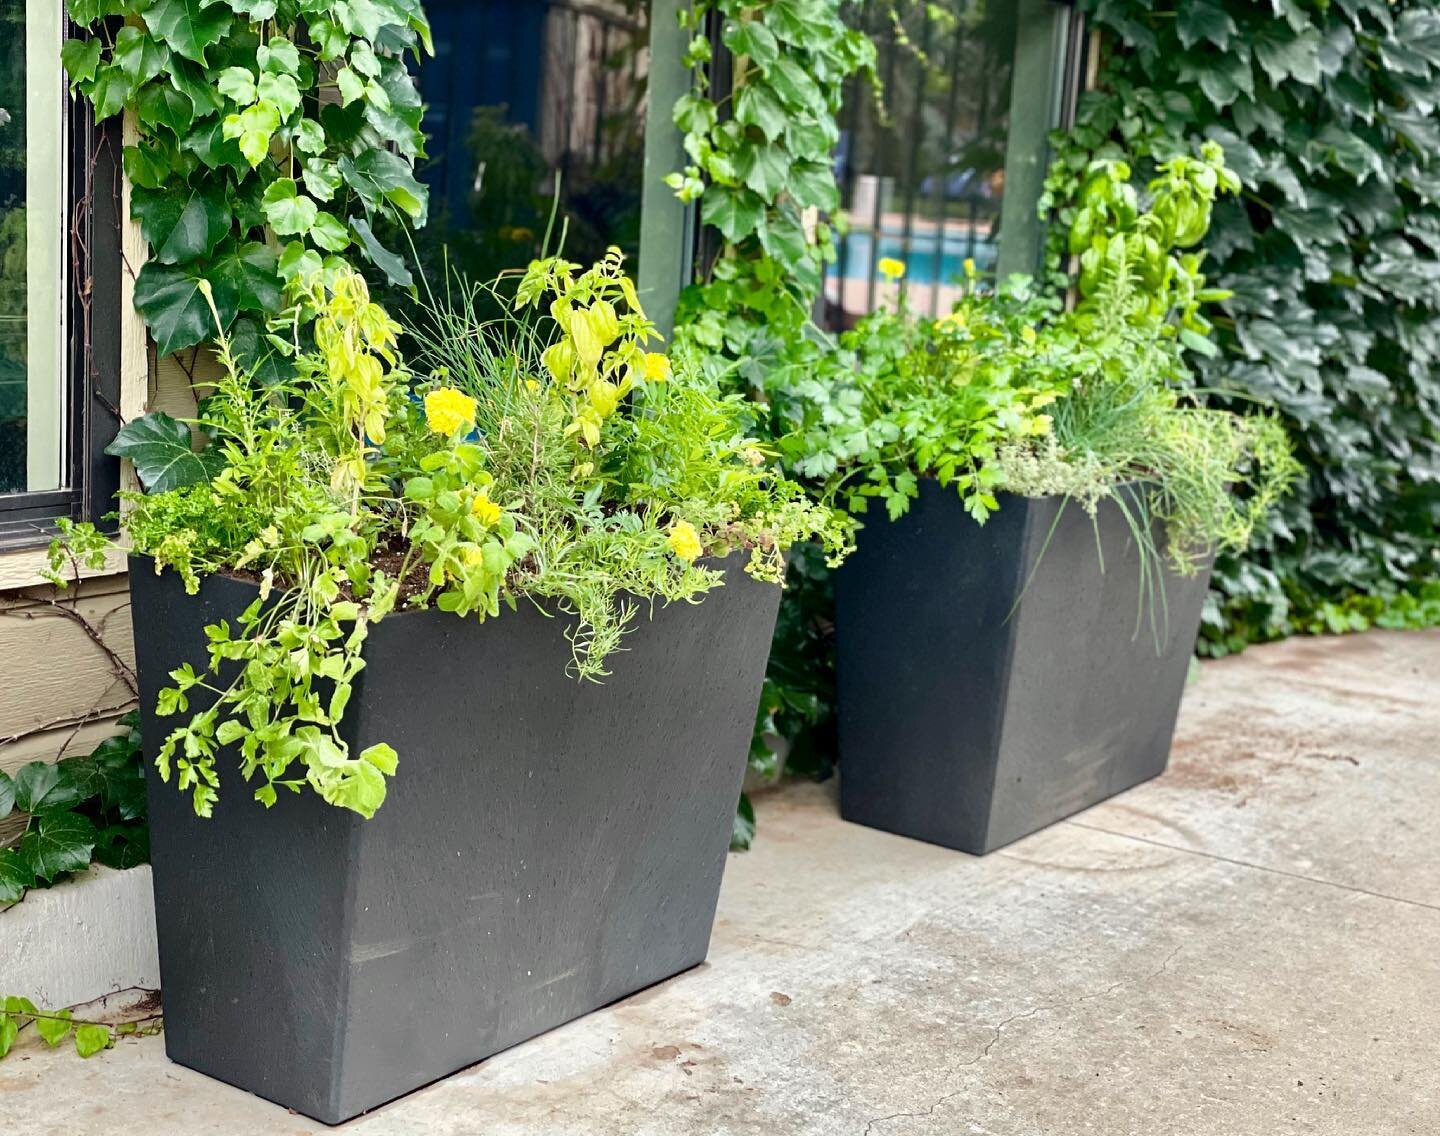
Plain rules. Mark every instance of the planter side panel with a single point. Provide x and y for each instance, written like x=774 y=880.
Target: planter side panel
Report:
x=922 y=648
x=250 y=905
x=548 y=846
x=1098 y=670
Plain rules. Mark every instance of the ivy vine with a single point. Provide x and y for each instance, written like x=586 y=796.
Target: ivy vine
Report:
x=1328 y=112
x=273 y=136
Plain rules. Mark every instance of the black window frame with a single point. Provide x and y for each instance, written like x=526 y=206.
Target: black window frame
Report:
x=94 y=262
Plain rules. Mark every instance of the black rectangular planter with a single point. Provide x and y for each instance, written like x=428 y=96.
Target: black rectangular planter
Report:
x=993 y=679
x=547 y=846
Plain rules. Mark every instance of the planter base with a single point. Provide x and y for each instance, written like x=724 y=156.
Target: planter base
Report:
x=993 y=679
x=547 y=847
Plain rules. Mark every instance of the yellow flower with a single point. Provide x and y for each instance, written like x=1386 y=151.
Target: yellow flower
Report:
x=684 y=540
x=485 y=509
x=657 y=367
x=447 y=409
x=969 y=267
x=532 y=385
x=472 y=556
x=1041 y=424
x=890 y=268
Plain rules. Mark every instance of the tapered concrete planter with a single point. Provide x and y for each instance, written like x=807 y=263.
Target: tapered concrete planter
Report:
x=547 y=846
x=993 y=679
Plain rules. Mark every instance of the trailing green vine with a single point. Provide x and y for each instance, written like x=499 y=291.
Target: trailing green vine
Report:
x=76 y=811
x=1331 y=254
x=274 y=134
x=56 y=1026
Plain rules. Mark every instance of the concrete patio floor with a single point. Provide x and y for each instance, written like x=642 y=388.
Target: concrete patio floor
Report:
x=1249 y=946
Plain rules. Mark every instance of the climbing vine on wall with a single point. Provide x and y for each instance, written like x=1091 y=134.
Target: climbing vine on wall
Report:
x=761 y=168
x=273 y=135
x=1330 y=113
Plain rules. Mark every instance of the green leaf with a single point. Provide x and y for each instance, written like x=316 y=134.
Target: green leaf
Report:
x=388 y=262
x=247 y=279
x=763 y=167
x=162 y=451
x=122 y=846
x=253 y=128
x=351 y=86
x=42 y=786
x=184 y=223
x=80 y=58
x=138 y=55
x=56 y=843
x=742 y=830
x=169 y=300
x=735 y=212
x=15 y=876
x=8 y=1029
x=380 y=176
x=7 y=794
x=238 y=85
x=281 y=91
x=110 y=91
x=55 y=1029
x=91 y=1039
x=288 y=213
x=756 y=105
x=382 y=757
x=160 y=104
x=813 y=184
x=189 y=27
x=329 y=233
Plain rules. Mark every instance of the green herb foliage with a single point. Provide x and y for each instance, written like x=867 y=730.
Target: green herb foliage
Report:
x=77 y=811
x=1327 y=114
x=273 y=134
x=548 y=455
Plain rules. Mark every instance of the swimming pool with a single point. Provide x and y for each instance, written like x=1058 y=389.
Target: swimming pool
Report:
x=858 y=256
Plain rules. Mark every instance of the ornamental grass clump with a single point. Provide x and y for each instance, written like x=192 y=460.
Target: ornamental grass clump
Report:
x=550 y=456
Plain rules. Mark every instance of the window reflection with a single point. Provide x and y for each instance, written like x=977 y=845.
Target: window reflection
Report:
x=923 y=183
x=527 y=100
x=13 y=300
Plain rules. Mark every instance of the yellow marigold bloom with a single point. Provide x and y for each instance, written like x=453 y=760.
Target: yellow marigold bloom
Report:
x=890 y=268
x=657 y=367
x=685 y=541
x=485 y=509
x=447 y=409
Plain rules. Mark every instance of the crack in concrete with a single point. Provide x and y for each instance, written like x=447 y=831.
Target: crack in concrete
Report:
x=1420 y=903
x=999 y=1028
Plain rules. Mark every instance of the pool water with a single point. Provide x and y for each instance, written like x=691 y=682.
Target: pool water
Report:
x=858 y=256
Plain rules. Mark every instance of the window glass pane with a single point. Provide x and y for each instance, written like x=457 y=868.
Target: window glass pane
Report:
x=32 y=278
x=924 y=182
x=527 y=100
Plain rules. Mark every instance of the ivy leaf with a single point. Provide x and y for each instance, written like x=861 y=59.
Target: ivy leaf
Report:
x=80 y=58
x=138 y=55
x=752 y=38
x=351 y=86
x=163 y=452
x=756 y=105
x=763 y=168
x=56 y=843
x=92 y=11
x=329 y=233
x=278 y=55
x=91 y=1039
x=122 y=846
x=813 y=184
x=388 y=262
x=253 y=128
x=246 y=279
x=169 y=300
x=281 y=91
x=42 y=786
x=735 y=212
x=238 y=85
x=189 y=26
x=258 y=358
x=793 y=84
x=1197 y=20
x=184 y=224
x=109 y=93
x=289 y=213
x=257 y=10
x=15 y=876
x=160 y=104
x=195 y=83
x=7 y=794
x=55 y=1029
x=379 y=176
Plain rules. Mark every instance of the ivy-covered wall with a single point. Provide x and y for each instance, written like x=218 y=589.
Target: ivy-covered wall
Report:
x=1328 y=111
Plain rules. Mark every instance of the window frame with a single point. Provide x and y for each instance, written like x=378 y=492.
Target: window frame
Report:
x=90 y=354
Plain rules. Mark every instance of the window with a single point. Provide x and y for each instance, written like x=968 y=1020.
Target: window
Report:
x=47 y=159
x=534 y=105
x=953 y=170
